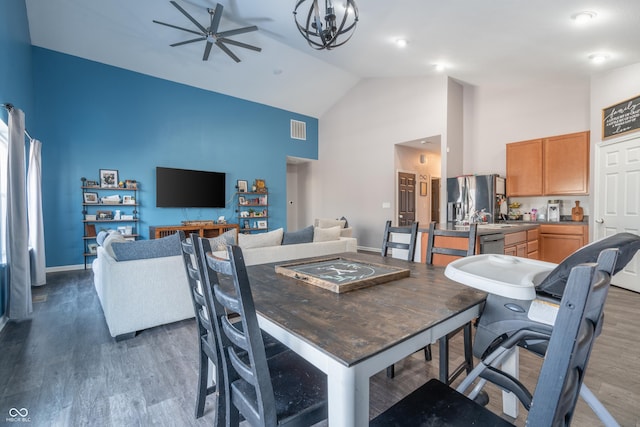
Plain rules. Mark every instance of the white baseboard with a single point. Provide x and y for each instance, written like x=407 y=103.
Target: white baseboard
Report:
x=365 y=248
x=3 y=321
x=66 y=268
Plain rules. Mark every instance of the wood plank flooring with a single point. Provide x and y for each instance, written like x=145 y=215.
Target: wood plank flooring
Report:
x=66 y=370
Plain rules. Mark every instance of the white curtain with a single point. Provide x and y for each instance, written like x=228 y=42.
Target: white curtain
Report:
x=19 y=295
x=36 y=224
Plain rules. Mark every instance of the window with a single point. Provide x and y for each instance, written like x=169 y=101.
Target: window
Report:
x=4 y=149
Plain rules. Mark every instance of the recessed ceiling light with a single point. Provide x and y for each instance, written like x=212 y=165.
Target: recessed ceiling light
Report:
x=584 y=16
x=402 y=42
x=438 y=67
x=598 y=58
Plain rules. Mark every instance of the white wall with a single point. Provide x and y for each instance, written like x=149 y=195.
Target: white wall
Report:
x=355 y=173
x=495 y=116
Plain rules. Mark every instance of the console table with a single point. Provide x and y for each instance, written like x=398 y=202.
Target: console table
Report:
x=203 y=230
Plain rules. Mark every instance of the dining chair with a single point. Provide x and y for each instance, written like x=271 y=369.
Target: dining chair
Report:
x=410 y=247
x=208 y=349
x=556 y=393
x=389 y=243
x=453 y=244
x=282 y=390
x=204 y=307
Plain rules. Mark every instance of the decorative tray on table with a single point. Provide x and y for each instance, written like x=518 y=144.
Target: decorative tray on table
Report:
x=340 y=275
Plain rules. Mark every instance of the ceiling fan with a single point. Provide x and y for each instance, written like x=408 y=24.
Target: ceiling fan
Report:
x=210 y=34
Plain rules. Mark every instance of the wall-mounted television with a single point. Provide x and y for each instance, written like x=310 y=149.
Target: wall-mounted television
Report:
x=184 y=188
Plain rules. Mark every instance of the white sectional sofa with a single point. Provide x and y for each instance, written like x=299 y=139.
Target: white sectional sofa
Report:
x=152 y=290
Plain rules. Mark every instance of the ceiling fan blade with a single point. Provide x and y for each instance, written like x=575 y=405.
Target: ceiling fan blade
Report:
x=215 y=18
x=227 y=51
x=184 y=12
x=207 y=51
x=237 y=31
x=240 y=44
x=199 y=39
x=176 y=27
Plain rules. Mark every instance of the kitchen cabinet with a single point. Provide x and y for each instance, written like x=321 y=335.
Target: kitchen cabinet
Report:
x=552 y=166
x=532 y=244
x=524 y=168
x=566 y=164
x=516 y=244
x=558 y=241
x=522 y=243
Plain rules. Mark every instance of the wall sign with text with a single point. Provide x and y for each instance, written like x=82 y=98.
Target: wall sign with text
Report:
x=621 y=118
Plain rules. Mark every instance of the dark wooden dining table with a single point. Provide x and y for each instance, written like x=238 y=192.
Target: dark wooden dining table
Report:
x=353 y=335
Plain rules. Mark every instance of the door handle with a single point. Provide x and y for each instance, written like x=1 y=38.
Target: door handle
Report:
x=600 y=221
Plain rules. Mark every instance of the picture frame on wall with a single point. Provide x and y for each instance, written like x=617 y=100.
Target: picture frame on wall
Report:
x=242 y=200
x=108 y=178
x=423 y=188
x=91 y=198
x=242 y=186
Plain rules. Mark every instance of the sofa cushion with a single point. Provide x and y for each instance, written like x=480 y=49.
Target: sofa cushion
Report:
x=326 y=234
x=301 y=236
x=144 y=249
x=327 y=223
x=270 y=238
x=220 y=242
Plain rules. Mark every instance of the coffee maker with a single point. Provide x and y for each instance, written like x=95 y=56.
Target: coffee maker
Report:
x=553 y=210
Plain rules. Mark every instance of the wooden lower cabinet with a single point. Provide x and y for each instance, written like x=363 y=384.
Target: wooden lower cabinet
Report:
x=533 y=243
x=516 y=244
x=559 y=241
x=203 y=230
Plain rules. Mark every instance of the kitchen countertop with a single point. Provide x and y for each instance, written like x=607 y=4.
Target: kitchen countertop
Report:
x=506 y=227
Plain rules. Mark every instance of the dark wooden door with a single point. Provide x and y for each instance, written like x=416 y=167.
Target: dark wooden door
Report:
x=435 y=200
x=406 y=198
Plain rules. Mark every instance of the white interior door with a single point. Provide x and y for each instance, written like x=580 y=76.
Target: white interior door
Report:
x=617 y=200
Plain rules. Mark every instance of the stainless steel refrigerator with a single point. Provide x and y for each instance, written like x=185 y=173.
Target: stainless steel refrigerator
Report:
x=472 y=193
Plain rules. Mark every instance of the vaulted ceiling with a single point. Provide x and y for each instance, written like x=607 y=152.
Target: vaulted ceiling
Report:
x=482 y=43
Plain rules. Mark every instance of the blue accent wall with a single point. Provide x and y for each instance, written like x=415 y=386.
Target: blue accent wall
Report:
x=93 y=116
x=16 y=86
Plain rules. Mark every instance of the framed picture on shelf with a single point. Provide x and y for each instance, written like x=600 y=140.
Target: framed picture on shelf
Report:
x=90 y=197
x=245 y=224
x=131 y=183
x=90 y=230
x=104 y=215
x=262 y=224
x=242 y=200
x=93 y=248
x=128 y=200
x=89 y=183
x=108 y=178
x=242 y=186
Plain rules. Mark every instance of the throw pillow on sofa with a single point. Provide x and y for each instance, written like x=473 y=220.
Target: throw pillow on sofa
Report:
x=261 y=240
x=144 y=249
x=326 y=234
x=301 y=236
x=219 y=243
x=110 y=240
x=328 y=223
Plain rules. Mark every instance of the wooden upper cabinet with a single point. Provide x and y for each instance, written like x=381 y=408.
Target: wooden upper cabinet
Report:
x=566 y=164
x=524 y=168
x=552 y=166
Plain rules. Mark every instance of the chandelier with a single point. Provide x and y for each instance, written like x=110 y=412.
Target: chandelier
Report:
x=329 y=29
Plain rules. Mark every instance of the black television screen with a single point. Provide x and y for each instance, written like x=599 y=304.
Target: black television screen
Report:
x=183 y=188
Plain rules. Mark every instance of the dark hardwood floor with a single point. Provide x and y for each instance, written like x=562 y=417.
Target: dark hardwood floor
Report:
x=66 y=370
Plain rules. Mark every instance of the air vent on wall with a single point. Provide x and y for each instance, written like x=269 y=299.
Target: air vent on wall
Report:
x=298 y=130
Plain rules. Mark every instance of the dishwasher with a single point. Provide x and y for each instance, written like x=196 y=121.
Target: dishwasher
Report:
x=492 y=243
